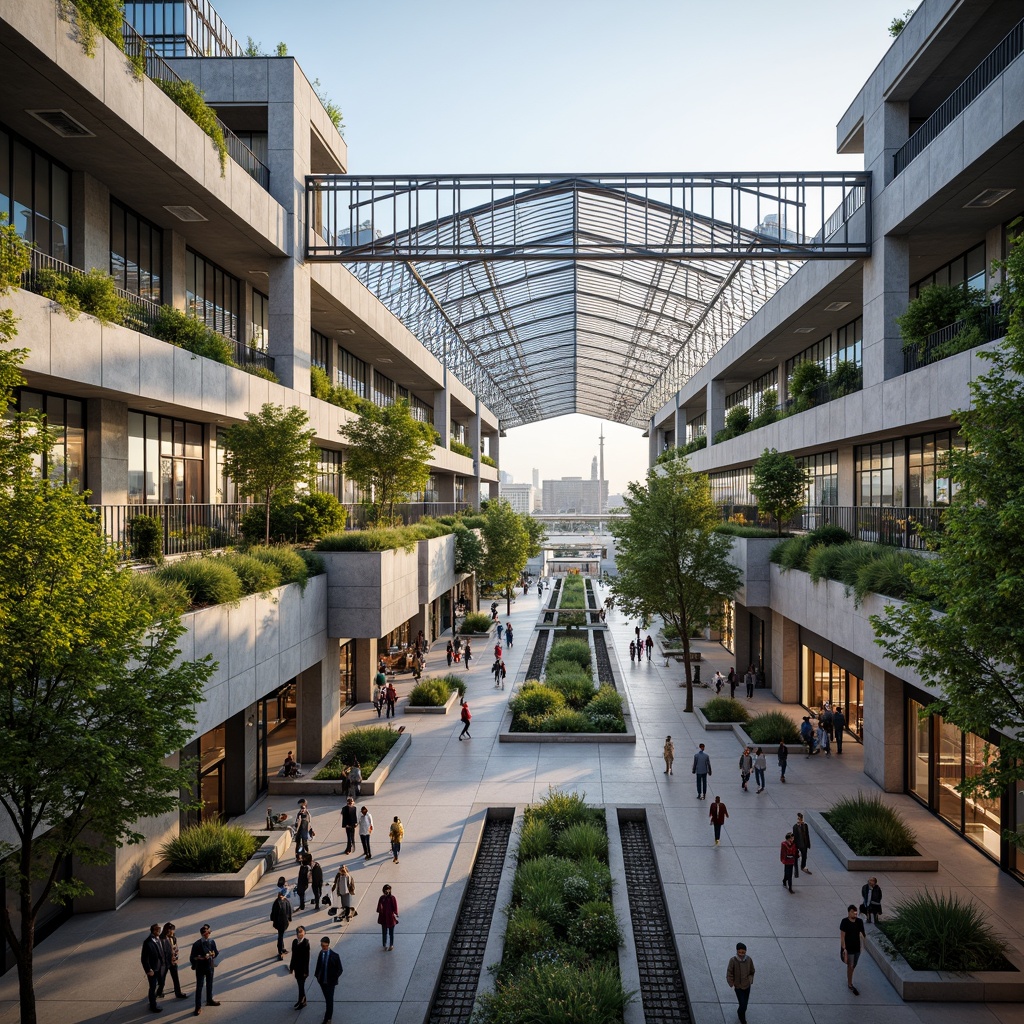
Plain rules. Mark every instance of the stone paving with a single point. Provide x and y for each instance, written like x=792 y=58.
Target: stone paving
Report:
x=89 y=971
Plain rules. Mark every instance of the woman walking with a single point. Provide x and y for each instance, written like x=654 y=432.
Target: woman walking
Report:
x=387 y=918
x=365 y=830
x=316 y=881
x=345 y=888
x=299 y=964
x=760 y=766
x=449 y=653
x=670 y=754
x=170 y=947
x=469 y=655
x=783 y=754
x=396 y=833
x=303 y=883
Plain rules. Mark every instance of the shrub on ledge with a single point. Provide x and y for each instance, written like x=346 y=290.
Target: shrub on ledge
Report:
x=210 y=848
x=871 y=828
x=771 y=727
x=725 y=709
x=368 y=745
x=434 y=693
x=476 y=622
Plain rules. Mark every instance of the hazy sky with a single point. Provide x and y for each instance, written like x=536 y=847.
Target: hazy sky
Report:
x=445 y=86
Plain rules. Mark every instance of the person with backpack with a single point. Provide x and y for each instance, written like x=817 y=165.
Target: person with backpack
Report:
x=839 y=726
x=466 y=717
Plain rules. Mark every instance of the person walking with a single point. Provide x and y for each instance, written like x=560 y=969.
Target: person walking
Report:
x=387 y=918
x=328 y=973
x=669 y=753
x=170 y=946
x=379 y=698
x=349 y=821
x=390 y=699
x=396 y=833
x=458 y=650
x=281 y=918
x=740 y=976
x=203 y=959
x=839 y=726
x=632 y=650
x=497 y=652
x=746 y=765
x=466 y=717
x=760 y=767
x=871 y=900
x=345 y=888
x=508 y=635
x=365 y=830
x=702 y=769
x=648 y=646
x=719 y=681
x=154 y=964
x=783 y=755
x=303 y=831
x=499 y=629
x=851 y=929
x=822 y=738
x=449 y=653
x=827 y=719
x=807 y=735
x=788 y=855
x=355 y=778
x=301 y=886
x=749 y=679
x=468 y=657
x=298 y=966
x=718 y=812
x=316 y=881
x=636 y=630
x=733 y=680
x=802 y=836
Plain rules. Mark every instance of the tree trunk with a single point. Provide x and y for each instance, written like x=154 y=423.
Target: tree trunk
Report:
x=685 y=636
x=508 y=602
x=26 y=989
x=266 y=520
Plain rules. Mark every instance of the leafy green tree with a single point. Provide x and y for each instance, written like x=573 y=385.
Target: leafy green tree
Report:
x=670 y=561
x=973 y=653
x=779 y=484
x=270 y=452
x=469 y=550
x=507 y=546
x=389 y=455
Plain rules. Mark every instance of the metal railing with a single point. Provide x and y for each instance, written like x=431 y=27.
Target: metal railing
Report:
x=139 y=51
x=183 y=528
x=856 y=198
x=1008 y=50
x=407 y=512
x=991 y=321
x=140 y=314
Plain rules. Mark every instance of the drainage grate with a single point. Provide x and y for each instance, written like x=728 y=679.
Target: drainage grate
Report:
x=661 y=981
x=536 y=665
x=605 y=673
x=460 y=976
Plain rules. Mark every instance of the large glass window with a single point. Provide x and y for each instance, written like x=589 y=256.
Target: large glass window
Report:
x=878 y=473
x=328 y=473
x=166 y=460
x=136 y=253
x=732 y=487
x=385 y=391
x=919 y=750
x=969 y=268
x=65 y=418
x=212 y=295
x=419 y=410
x=352 y=372
x=823 y=680
x=843 y=345
x=928 y=482
x=347 y=673
x=35 y=193
x=751 y=395
x=697 y=427
x=822 y=478
x=259 y=328
x=320 y=350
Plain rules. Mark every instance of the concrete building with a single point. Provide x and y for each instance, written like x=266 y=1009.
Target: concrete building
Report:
x=522 y=497
x=940 y=124
x=574 y=494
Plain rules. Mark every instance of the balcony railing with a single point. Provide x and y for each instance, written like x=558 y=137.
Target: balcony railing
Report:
x=890 y=524
x=184 y=528
x=992 y=322
x=141 y=314
x=1008 y=50
x=136 y=47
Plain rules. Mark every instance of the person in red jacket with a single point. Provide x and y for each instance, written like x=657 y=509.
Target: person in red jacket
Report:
x=466 y=717
x=788 y=855
x=387 y=918
x=718 y=812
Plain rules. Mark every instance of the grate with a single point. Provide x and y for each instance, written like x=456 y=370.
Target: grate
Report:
x=661 y=981
x=605 y=673
x=537 y=658
x=460 y=976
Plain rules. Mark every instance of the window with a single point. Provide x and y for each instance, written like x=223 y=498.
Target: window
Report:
x=328 y=473
x=35 y=193
x=843 y=345
x=460 y=490
x=878 y=473
x=967 y=269
x=166 y=460
x=732 y=487
x=822 y=478
x=750 y=394
x=351 y=372
x=227 y=492
x=385 y=391
x=259 y=328
x=928 y=483
x=697 y=427
x=212 y=295
x=65 y=417
x=824 y=680
x=136 y=253
x=419 y=410
x=319 y=350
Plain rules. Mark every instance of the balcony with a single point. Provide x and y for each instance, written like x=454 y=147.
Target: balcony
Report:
x=185 y=529
x=991 y=323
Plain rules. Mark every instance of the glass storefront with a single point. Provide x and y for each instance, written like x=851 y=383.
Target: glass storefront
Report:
x=347 y=674
x=211 y=774
x=823 y=680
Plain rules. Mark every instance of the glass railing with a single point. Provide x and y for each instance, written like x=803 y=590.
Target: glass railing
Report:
x=943 y=343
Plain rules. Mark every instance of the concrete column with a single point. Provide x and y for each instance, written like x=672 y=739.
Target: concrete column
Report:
x=847 y=485
x=741 y=638
x=365 y=668
x=785 y=659
x=318 y=708
x=475 y=437
x=716 y=408
x=494 y=445
x=106 y=451
x=886 y=129
x=90 y=222
x=653 y=444
x=473 y=492
x=173 y=284
x=883 y=728
x=886 y=296
x=679 y=424
x=443 y=414
x=240 y=762
x=445 y=486
x=290 y=324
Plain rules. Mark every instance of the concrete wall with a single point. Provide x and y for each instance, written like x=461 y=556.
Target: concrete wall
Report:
x=750 y=556
x=369 y=593
x=436 y=562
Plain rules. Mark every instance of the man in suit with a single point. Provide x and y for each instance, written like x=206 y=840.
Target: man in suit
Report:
x=328 y=974
x=203 y=957
x=153 y=964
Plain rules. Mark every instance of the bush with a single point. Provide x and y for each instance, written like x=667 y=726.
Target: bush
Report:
x=724 y=709
x=526 y=934
x=207 y=581
x=93 y=292
x=533 y=701
x=888 y=573
x=178 y=328
x=476 y=622
x=535 y=839
x=807 y=377
x=737 y=420
x=146 y=536
x=583 y=839
x=429 y=693
x=825 y=561
x=572 y=650
x=566 y=720
x=319 y=514
x=384 y=539
x=855 y=556
x=460 y=449
x=871 y=828
x=560 y=810
x=576 y=688
x=367 y=745
x=939 y=306
x=736 y=530
x=845 y=379
x=771 y=727
x=301 y=520
x=210 y=847
x=290 y=564
x=792 y=553
x=322 y=388
x=15 y=256
x=768 y=411
x=537 y=887
x=596 y=929
x=263 y=372
x=163 y=598
x=829 y=535
x=936 y=932
x=314 y=564
x=607 y=701
x=456 y=683
x=256 y=575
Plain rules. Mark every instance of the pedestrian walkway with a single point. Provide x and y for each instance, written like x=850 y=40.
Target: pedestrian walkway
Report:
x=89 y=971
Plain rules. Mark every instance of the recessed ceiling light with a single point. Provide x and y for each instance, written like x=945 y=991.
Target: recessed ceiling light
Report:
x=384 y=359
x=989 y=197
x=834 y=307
x=805 y=330
x=350 y=330
x=189 y=214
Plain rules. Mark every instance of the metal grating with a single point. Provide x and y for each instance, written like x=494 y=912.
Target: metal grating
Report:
x=460 y=976
x=537 y=659
x=662 y=990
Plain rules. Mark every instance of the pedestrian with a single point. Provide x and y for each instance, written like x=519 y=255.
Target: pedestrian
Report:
x=303 y=831
x=381 y=678
x=827 y=720
x=396 y=833
x=458 y=649
x=508 y=635
x=649 y=646
x=783 y=755
x=498 y=631
x=349 y=820
x=365 y=830
x=355 y=778
x=466 y=717
x=281 y=918
x=746 y=764
x=379 y=698
x=718 y=812
x=345 y=888
x=750 y=678
x=822 y=738
x=170 y=945
x=802 y=836
x=632 y=650
x=203 y=959
x=391 y=698
x=740 y=976
x=468 y=655
x=670 y=754
x=788 y=855
x=839 y=726
x=702 y=769
x=387 y=918
x=298 y=966
x=807 y=735
x=449 y=653
x=328 y=973
x=302 y=885
x=316 y=881
x=719 y=681
x=851 y=928
x=498 y=668
x=636 y=630
x=871 y=900
x=760 y=767
x=497 y=652
x=733 y=680
x=154 y=964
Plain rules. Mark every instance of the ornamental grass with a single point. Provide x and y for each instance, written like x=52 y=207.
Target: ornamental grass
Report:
x=368 y=745
x=725 y=709
x=210 y=847
x=871 y=828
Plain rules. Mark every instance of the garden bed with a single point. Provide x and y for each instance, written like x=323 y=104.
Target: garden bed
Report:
x=852 y=862
x=308 y=785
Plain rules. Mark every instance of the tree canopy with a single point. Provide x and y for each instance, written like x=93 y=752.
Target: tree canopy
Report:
x=510 y=539
x=670 y=562
x=779 y=484
x=270 y=452
x=389 y=455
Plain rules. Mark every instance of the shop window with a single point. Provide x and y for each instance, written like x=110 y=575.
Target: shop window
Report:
x=823 y=680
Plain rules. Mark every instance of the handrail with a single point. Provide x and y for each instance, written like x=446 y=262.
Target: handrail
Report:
x=991 y=321
x=184 y=529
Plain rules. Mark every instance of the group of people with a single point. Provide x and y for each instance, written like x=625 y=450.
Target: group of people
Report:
x=458 y=651
x=160 y=959
x=831 y=726
x=637 y=647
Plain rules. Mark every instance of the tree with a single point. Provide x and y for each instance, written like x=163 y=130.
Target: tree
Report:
x=389 y=455
x=670 y=561
x=507 y=544
x=270 y=452
x=973 y=651
x=779 y=485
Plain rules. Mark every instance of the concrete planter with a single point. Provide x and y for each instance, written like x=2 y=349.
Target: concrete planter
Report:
x=371 y=786
x=370 y=593
x=409 y=709
x=160 y=883
x=751 y=556
x=944 y=986
x=505 y=735
x=714 y=726
x=853 y=862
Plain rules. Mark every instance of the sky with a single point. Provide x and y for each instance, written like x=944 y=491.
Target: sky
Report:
x=471 y=86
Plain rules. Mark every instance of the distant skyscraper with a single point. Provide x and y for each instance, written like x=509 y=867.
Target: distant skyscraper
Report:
x=504 y=477
x=593 y=469
x=522 y=497
x=536 y=479
x=574 y=494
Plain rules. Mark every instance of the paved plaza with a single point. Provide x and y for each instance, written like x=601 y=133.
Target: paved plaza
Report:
x=89 y=971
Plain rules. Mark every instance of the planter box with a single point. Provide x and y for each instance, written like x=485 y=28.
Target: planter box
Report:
x=505 y=734
x=370 y=593
x=853 y=862
x=443 y=710
x=944 y=986
x=160 y=883
x=371 y=786
x=714 y=726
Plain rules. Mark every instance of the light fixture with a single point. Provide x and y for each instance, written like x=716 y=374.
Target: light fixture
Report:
x=347 y=330
x=805 y=330
x=989 y=197
x=384 y=359
x=189 y=214
x=61 y=122
x=251 y=721
x=834 y=307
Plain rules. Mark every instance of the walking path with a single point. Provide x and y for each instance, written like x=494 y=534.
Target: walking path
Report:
x=89 y=971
